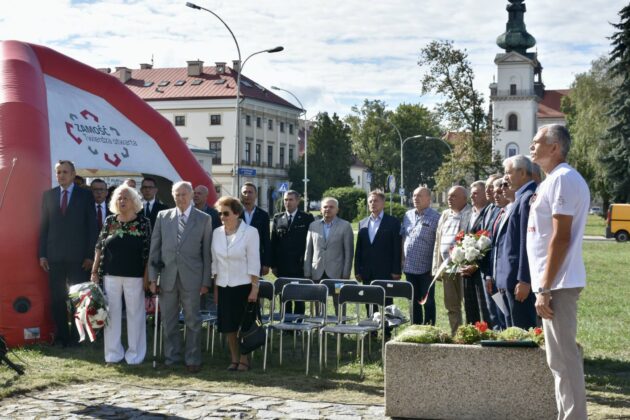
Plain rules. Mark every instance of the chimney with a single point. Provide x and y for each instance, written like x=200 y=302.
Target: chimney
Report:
x=236 y=65
x=125 y=74
x=220 y=65
x=195 y=68
x=146 y=66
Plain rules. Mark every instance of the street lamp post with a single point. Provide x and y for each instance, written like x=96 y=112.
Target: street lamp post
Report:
x=402 y=177
x=305 y=146
x=235 y=166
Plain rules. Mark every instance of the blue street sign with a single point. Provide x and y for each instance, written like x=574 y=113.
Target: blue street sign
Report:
x=247 y=171
x=391 y=183
x=284 y=187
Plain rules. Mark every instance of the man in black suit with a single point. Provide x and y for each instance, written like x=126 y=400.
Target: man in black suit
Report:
x=378 y=250
x=99 y=192
x=474 y=298
x=151 y=206
x=200 y=198
x=66 y=242
x=258 y=218
x=288 y=241
x=512 y=265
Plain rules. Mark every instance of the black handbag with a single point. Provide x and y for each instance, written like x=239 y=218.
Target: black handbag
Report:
x=251 y=333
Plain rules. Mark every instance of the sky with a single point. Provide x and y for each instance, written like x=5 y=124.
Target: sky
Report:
x=336 y=53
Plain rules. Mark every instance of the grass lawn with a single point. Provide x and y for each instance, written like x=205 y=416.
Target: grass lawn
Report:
x=604 y=316
x=595 y=226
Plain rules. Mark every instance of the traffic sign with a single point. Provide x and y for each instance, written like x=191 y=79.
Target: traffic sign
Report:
x=247 y=171
x=401 y=191
x=391 y=183
x=284 y=187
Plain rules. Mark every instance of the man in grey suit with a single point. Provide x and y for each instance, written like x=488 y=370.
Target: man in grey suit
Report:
x=329 y=245
x=181 y=240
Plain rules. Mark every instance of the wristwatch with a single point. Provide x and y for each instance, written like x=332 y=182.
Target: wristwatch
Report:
x=543 y=291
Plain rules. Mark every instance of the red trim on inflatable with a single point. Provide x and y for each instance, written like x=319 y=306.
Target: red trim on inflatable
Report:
x=24 y=134
x=24 y=137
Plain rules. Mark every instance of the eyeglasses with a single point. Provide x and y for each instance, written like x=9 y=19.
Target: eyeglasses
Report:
x=225 y=213
x=504 y=185
x=147 y=187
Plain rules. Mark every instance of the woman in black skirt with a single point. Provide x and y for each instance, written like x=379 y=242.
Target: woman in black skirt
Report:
x=235 y=267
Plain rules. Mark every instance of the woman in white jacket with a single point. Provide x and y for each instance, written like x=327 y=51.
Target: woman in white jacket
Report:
x=235 y=267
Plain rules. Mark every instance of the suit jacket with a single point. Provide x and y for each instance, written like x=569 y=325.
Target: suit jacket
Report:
x=70 y=237
x=260 y=221
x=158 y=206
x=214 y=214
x=486 y=262
x=332 y=256
x=107 y=213
x=234 y=263
x=379 y=259
x=190 y=258
x=288 y=243
x=463 y=222
x=511 y=263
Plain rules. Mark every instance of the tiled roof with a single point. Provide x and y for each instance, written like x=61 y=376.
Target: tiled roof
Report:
x=150 y=85
x=549 y=106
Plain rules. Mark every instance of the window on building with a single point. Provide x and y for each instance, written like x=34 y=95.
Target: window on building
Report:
x=281 y=126
x=248 y=153
x=512 y=122
x=180 y=120
x=270 y=124
x=215 y=146
x=248 y=120
x=258 y=122
x=511 y=150
x=290 y=155
x=258 y=153
x=282 y=157
x=215 y=119
x=358 y=179
x=290 y=128
x=513 y=89
x=270 y=156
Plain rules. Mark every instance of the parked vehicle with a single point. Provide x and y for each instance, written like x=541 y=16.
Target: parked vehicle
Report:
x=618 y=222
x=596 y=211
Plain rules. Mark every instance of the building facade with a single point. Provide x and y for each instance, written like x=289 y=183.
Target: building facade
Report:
x=520 y=104
x=201 y=103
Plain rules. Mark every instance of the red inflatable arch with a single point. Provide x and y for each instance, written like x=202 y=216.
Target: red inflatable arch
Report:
x=53 y=107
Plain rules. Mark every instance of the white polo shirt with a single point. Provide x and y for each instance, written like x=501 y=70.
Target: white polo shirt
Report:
x=563 y=192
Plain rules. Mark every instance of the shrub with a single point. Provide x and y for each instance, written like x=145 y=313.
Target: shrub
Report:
x=347 y=197
x=513 y=334
x=398 y=211
x=423 y=334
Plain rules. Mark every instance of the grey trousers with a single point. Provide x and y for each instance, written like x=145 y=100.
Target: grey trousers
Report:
x=169 y=309
x=563 y=355
x=453 y=297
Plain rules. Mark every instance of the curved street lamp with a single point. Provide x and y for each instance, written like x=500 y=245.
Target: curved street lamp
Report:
x=305 y=145
x=235 y=166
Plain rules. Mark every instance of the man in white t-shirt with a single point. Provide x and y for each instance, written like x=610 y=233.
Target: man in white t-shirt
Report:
x=554 y=247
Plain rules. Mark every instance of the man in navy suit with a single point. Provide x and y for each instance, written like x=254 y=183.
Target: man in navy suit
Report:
x=99 y=192
x=66 y=242
x=151 y=206
x=378 y=250
x=512 y=266
x=258 y=218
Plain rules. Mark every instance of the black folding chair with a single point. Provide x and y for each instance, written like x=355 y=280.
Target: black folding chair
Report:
x=397 y=289
x=307 y=293
x=334 y=287
x=278 y=286
x=357 y=294
x=266 y=292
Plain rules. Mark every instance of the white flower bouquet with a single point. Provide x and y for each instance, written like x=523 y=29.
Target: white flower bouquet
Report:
x=90 y=309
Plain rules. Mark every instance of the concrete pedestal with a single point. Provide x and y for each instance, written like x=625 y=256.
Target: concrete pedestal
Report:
x=450 y=381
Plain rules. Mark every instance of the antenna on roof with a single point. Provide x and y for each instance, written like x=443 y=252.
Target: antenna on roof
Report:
x=151 y=60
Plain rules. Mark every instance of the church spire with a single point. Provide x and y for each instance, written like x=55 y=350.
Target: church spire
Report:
x=515 y=38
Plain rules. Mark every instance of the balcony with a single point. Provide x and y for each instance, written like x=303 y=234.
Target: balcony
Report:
x=509 y=93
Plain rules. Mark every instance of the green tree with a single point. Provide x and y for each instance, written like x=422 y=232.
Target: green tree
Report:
x=449 y=74
x=617 y=155
x=586 y=111
x=376 y=142
x=329 y=157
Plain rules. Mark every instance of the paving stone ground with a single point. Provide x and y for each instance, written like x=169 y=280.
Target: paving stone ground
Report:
x=105 y=401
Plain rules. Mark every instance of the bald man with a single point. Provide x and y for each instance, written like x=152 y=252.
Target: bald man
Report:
x=200 y=199
x=453 y=220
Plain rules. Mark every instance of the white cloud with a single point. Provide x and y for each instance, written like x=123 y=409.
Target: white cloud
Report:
x=336 y=53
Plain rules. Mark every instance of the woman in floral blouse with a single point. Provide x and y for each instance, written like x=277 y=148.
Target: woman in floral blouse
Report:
x=122 y=251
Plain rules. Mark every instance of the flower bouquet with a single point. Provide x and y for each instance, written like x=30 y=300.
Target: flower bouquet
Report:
x=469 y=248
x=90 y=309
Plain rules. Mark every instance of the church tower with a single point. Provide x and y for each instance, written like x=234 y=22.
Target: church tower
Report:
x=518 y=88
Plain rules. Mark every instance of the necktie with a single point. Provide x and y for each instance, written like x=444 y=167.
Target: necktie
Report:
x=99 y=216
x=147 y=211
x=64 y=202
x=496 y=222
x=181 y=226
x=290 y=219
